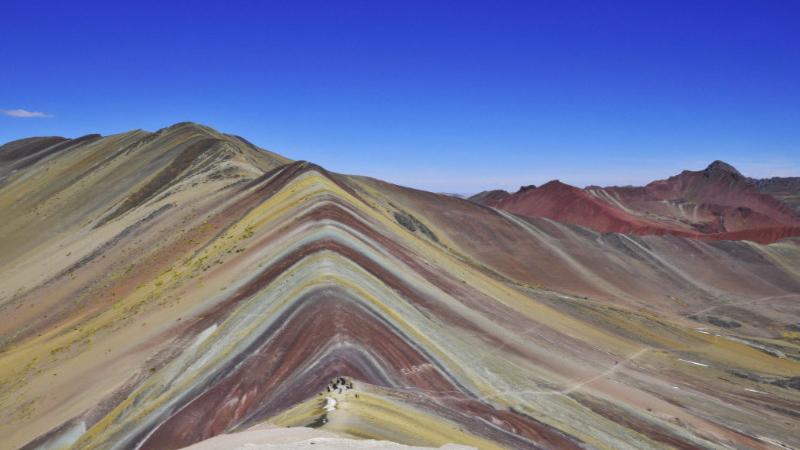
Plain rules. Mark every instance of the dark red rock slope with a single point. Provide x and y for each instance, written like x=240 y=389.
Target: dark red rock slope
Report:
x=717 y=203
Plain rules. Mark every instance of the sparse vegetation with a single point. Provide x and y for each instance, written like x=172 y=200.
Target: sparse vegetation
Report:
x=722 y=323
x=413 y=224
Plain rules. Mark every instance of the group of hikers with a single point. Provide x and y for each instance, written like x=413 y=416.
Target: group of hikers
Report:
x=339 y=384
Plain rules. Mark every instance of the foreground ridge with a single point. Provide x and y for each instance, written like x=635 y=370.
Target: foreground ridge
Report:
x=165 y=288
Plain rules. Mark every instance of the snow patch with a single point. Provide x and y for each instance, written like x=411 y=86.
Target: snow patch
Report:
x=330 y=404
x=693 y=362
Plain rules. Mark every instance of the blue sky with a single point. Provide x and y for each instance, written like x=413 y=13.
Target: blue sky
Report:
x=451 y=96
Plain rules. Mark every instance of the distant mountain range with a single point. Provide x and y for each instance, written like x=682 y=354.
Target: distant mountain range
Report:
x=717 y=203
x=160 y=289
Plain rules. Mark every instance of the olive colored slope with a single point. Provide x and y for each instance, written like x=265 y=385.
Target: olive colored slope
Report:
x=203 y=287
x=94 y=179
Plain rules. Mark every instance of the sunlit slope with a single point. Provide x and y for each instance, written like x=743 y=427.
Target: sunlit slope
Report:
x=93 y=179
x=231 y=293
x=757 y=286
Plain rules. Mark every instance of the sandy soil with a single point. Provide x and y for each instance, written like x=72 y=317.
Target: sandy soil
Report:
x=269 y=437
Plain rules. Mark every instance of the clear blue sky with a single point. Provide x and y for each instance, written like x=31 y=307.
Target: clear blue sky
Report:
x=450 y=96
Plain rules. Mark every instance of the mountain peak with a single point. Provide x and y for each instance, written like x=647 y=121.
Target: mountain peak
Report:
x=490 y=197
x=186 y=124
x=190 y=127
x=557 y=184
x=722 y=167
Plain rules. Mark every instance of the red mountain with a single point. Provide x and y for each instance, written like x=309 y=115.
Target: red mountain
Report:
x=715 y=203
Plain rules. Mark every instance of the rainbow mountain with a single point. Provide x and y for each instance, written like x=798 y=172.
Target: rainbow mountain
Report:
x=159 y=289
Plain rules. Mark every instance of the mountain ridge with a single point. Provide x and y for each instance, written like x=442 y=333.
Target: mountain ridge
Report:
x=237 y=290
x=716 y=203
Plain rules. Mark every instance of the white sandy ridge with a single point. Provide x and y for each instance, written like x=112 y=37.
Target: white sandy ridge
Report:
x=268 y=437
